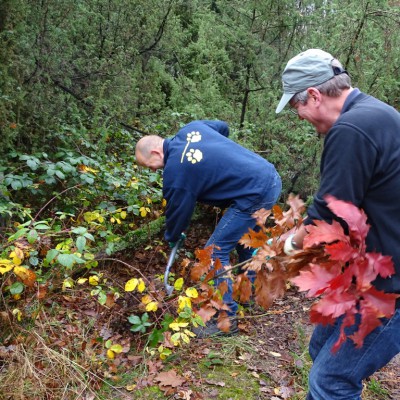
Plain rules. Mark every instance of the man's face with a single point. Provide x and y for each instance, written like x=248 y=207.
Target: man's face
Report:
x=314 y=112
x=154 y=162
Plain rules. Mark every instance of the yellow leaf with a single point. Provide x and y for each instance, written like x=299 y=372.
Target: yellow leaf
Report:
x=130 y=286
x=141 y=286
x=15 y=259
x=164 y=203
x=112 y=219
x=101 y=219
x=16 y=296
x=178 y=284
x=116 y=348
x=19 y=253
x=27 y=276
x=110 y=354
x=94 y=280
x=129 y=388
x=189 y=333
x=149 y=201
x=185 y=338
x=67 y=284
x=146 y=299
x=5 y=266
x=184 y=302
x=17 y=312
x=176 y=326
x=192 y=293
x=81 y=281
x=152 y=306
x=175 y=339
x=123 y=214
x=143 y=211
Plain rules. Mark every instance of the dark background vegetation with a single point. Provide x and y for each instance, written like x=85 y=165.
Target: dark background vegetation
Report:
x=75 y=73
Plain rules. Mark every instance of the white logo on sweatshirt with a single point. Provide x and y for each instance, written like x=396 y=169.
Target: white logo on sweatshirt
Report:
x=193 y=155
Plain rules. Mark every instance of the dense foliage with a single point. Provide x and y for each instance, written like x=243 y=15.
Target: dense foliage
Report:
x=77 y=70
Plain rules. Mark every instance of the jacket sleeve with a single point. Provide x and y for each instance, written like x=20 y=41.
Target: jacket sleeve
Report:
x=347 y=165
x=180 y=207
x=219 y=126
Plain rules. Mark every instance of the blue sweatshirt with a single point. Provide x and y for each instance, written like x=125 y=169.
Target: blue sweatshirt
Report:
x=361 y=163
x=202 y=164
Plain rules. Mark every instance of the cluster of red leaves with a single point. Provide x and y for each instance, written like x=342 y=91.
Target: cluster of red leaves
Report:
x=343 y=275
x=333 y=266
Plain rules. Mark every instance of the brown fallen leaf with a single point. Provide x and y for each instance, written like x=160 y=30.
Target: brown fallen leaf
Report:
x=169 y=378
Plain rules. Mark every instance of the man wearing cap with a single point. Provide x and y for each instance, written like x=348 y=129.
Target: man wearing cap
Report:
x=360 y=164
x=201 y=164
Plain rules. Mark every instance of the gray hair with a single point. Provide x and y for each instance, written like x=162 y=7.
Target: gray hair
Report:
x=332 y=88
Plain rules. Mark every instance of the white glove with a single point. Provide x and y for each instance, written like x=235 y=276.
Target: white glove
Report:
x=290 y=246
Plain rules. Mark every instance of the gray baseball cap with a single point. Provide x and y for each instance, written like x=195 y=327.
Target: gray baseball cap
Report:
x=309 y=68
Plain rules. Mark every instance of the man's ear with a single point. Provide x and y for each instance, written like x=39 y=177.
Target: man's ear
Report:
x=314 y=94
x=157 y=152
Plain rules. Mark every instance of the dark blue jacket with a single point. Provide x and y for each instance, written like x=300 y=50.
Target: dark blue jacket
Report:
x=202 y=164
x=361 y=164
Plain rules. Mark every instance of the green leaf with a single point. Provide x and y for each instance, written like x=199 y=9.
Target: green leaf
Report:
x=66 y=260
x=33 y=261
x=80 y=230
x=102 y=298
x=89 y=236
x=16 y=184
x=80 y=243
x=32 y=236
x=18 y=234
x=51 y=255
x=134 y=320
x=42 y=226
x=17 y=288
x=155 y=337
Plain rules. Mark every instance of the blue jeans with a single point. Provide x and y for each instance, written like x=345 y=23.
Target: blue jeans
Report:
x=232 y=226
x=339 y=376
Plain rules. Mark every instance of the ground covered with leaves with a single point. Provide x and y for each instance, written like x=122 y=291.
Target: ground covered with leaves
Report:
x=77 y=348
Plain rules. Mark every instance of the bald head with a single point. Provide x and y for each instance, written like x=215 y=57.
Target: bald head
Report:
x=149 y=152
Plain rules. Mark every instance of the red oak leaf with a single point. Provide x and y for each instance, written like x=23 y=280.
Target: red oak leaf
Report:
x=355 y=218
x=369 y=321
x=384 y=303
x=348 y=320
x=341 y=251
x=383 y=265
x=315 y=280
x=322 y=232
x=336 y=304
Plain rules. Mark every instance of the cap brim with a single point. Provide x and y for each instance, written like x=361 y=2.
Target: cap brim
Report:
x=284 y=100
